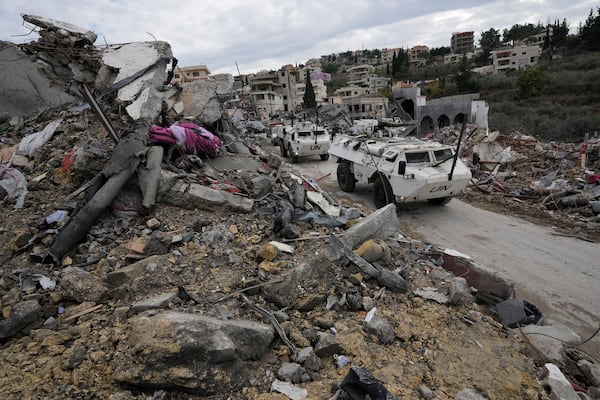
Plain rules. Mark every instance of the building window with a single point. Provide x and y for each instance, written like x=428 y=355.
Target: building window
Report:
x=285 y=97
x=260 y=97
x=176 y=76
x=195 y=73
x=283 y=85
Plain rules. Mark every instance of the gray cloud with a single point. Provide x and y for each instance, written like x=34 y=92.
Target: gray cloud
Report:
x=265 y=34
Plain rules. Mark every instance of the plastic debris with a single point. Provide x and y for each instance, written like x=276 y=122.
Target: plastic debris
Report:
x=341 y=360
x=15 y=185
x=30 y=143
x=359 y=382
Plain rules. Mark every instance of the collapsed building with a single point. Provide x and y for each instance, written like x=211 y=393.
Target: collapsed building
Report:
x=152 y=252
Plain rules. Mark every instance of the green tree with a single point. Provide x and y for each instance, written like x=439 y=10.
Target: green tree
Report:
x=331 y=68
x=590 y=31
x=519 y=32
x=465 y=80
x=309 y=93
x=530 y=83
x=489 y=41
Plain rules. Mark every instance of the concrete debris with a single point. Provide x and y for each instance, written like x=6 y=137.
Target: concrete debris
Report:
x=550 y=341
x=590 y=371
x=146 y=269
x=469 y=394
x=431 y=293
x=558 y=385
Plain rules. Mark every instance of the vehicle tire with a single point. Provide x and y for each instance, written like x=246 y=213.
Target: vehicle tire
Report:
x=440 y=201
x=345 y=177
x=294 y=158
x=382 y=192
x=284 y=152
x=324 y=156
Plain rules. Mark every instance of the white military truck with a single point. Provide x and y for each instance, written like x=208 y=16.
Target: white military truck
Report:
x=402 y=169
x=303 y=139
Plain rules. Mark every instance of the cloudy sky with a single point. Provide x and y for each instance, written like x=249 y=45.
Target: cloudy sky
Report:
x=266 y=34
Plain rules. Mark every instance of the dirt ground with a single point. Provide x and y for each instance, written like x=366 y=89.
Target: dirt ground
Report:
x=437 y=348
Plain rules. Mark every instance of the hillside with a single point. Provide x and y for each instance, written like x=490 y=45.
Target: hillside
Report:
x=566 y=108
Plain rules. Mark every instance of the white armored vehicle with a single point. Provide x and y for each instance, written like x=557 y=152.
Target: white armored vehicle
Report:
x=402 y=169
x=303 y=139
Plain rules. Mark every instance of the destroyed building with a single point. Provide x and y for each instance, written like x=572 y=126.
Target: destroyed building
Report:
x=151 y=251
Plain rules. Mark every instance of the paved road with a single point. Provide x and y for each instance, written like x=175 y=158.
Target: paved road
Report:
x=559 y=274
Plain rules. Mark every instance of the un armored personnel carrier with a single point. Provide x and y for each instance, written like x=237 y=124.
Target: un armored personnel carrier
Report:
x=303 y=139
x=402 y=169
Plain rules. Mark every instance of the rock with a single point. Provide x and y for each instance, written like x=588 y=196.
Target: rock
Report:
x=310 y=301
x=594 y=393
x=354 y=301
x=392 y=281
x=268 y=252
x=160 y=301
x=431 y=293
x=560 y=387
x=459 y=291
x=190 y=352
x=286 y=293
x=304 y=353
x=261 y=186
x=368 y=303
x=290 y=372
x=193 y=195
x=130 y=273
x=80 y=285
x=373 y=250
x=327 y=345
x=550 y=340
x=425 y=392
x=159 y=243
x=590 y=371
x=153 y=223
x=74 y=356
x=291 y=391
x=381 y=328
x=21 y=315
x=469 y=394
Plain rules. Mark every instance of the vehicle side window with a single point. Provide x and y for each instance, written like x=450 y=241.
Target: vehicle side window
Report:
x=417 y=157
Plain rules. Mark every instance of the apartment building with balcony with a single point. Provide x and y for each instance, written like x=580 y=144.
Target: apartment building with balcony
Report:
x=462 y=42
x=514 y=58
x=191 y=73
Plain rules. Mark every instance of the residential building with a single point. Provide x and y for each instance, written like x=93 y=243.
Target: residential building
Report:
x=415 y=53
x=514 y=58
x=225 y=78
x=318 y=87
x=265 y=92
x=371 y=106
x=388 y=54
x=356 y=73
x=374 y=83
x=192 y=73
x=347 y=92
x=462 y=42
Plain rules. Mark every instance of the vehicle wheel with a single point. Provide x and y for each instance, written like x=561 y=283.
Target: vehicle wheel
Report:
x=294 y=158
x=382 y=192
x=440 y=201
x=284 y=152
x=324 y=156
x=345 y=177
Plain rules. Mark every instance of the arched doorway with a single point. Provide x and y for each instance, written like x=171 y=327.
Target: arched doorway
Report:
x=459 y=119
x=426 y=125
x=443 y=121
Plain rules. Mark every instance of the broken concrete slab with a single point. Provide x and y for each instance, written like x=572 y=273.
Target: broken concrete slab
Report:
x=591 y=371
x=160 y=301
x=431 y=293
x=200 y=101
x=550 y=340
x=381 y=224
x=327 y=345
x=559 y=385
x=192 y=352
x=492 y=286
x=382 y=328
x=193 y=195
x=289 y=390
x=62 y=32
x=142 y=95
x=25 y=89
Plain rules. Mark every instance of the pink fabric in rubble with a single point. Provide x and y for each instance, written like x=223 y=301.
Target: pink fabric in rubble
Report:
x=192 y=138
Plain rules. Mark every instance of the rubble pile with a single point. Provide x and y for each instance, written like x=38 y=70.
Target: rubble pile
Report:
x=134 y=268
x=555 y=181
